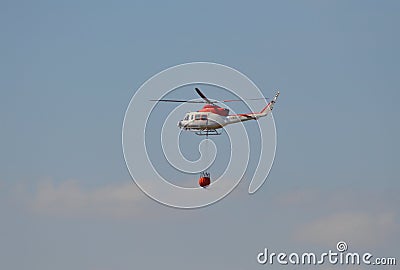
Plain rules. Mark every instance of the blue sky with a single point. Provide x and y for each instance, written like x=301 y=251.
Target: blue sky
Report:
x=70 y=69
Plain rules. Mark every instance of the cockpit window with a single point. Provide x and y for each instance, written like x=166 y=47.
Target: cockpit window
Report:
x=186 y=117
x=191 y=117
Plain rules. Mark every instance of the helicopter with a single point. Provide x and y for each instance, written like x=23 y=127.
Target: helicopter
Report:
x=211 y=117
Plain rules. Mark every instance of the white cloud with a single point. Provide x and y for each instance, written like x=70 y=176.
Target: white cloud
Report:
x=69 y=198
x=360 y=217
x=359 y=228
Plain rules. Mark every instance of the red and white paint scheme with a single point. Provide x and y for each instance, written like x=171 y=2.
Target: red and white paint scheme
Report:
x=212 y=117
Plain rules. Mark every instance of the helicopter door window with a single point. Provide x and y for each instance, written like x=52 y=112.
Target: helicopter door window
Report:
x=197 y=117
x=204 y=117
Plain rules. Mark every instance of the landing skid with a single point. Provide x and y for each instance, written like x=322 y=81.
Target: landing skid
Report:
x=207 y=132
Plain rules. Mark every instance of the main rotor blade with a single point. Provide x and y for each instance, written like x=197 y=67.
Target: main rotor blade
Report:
x=233 y=100
x=203 y=96
x=175 y=100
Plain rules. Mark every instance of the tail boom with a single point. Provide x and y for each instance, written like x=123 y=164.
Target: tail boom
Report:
x=253 y=116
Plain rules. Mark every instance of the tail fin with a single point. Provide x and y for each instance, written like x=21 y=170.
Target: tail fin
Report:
x=270 y=105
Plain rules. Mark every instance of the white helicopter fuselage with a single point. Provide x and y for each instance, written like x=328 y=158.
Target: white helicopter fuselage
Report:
x=202 y=120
